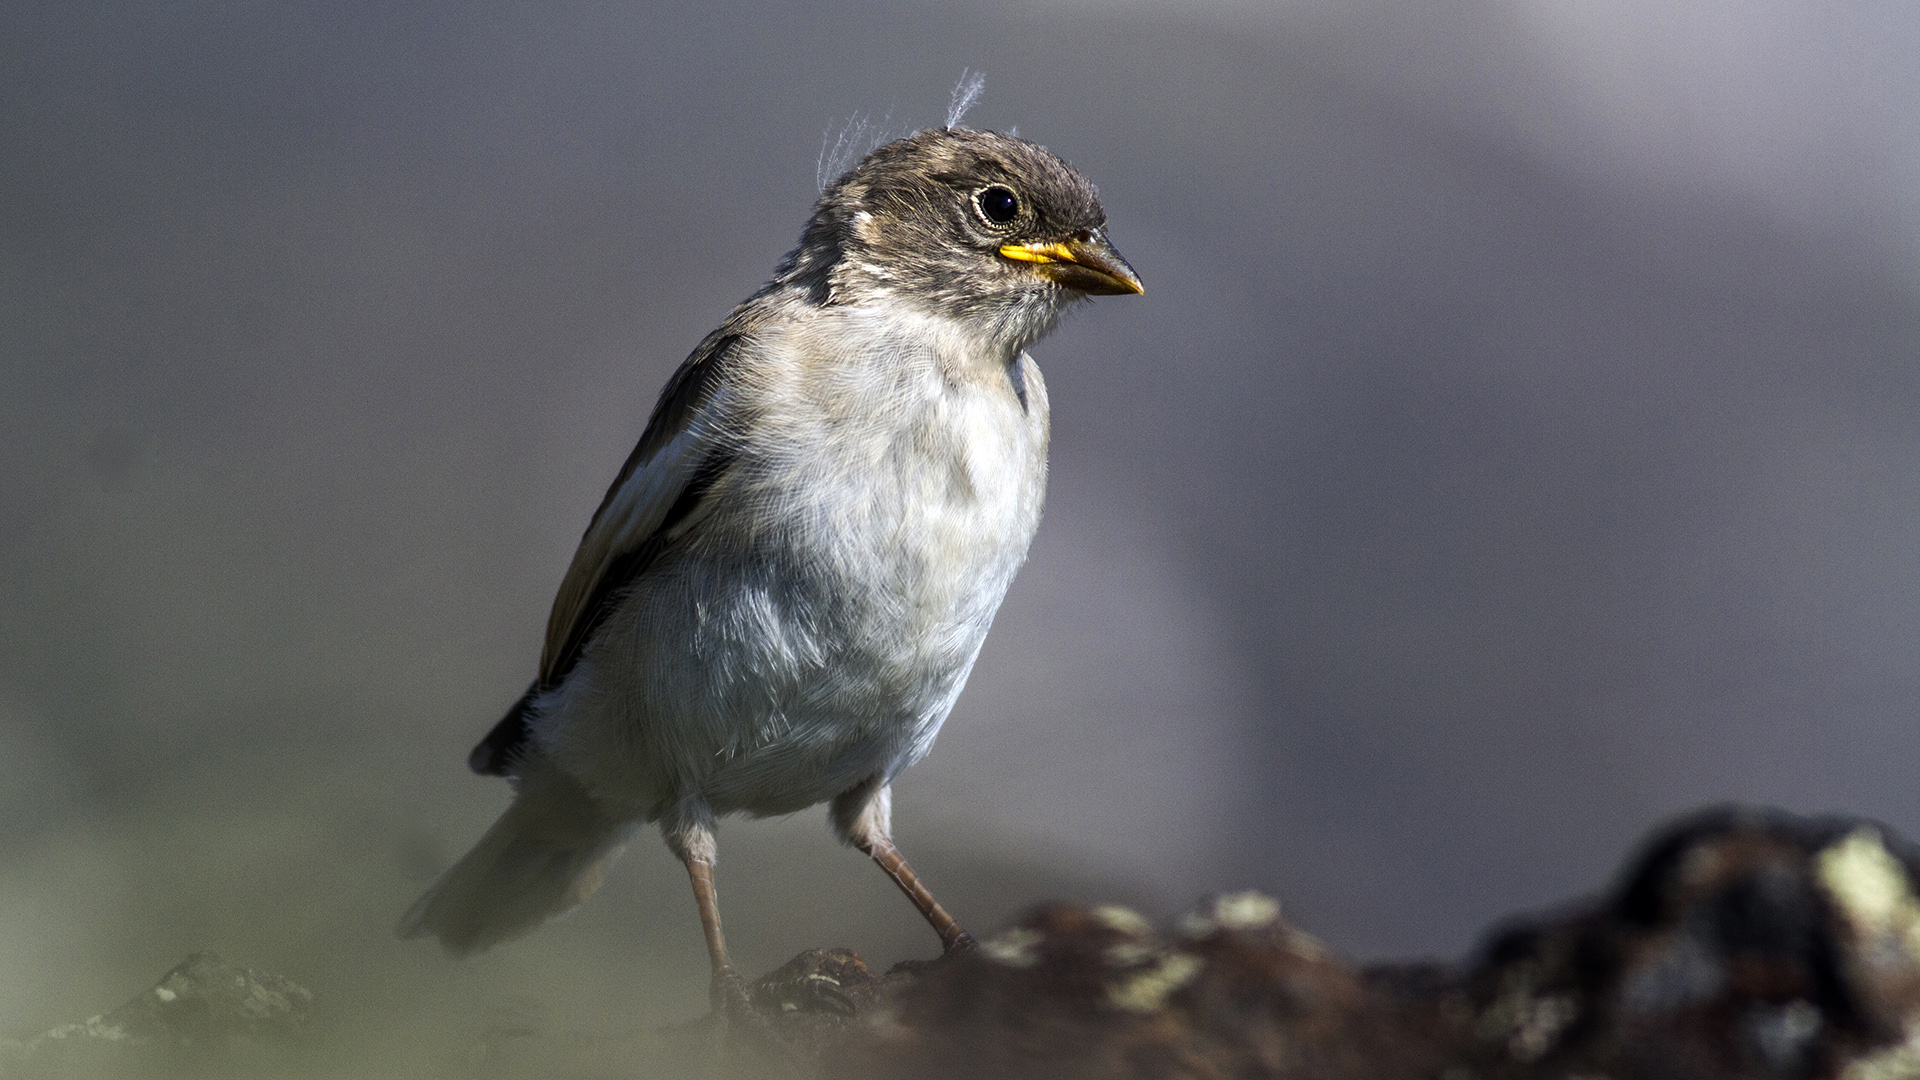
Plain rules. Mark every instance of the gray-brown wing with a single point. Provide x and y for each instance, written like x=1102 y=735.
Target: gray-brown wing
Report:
x=676 y=462
x=677 y=459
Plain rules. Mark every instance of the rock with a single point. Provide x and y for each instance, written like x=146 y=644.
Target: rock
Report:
x=1068 y=992
x=1739 y=944
x=201 y=1016
x=1080 y=993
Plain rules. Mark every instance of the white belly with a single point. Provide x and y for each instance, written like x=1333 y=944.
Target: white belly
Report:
x=818 y=625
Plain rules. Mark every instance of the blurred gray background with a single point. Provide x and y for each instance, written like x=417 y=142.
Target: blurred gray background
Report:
x=1519 y=442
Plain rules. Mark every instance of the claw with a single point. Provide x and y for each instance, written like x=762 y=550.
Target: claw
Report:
x=728 y=995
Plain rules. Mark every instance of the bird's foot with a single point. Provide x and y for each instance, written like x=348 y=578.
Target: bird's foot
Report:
x=960 y=944
x=729 y=996
x=810 y=998
x=740 y=1032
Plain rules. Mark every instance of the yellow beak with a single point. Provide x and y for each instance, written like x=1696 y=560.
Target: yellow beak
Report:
x=1087 y=263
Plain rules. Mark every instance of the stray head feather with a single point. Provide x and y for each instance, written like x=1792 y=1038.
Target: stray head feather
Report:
x=966 y=94
x=842 y=150
x=861 y=135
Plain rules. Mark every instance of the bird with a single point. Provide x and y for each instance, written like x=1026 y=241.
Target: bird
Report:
x=787 y=584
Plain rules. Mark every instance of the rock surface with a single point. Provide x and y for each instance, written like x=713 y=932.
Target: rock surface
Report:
x=206 y=1016
x=1739 y=943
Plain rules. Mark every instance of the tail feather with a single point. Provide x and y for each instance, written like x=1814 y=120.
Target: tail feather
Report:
x=546 y=854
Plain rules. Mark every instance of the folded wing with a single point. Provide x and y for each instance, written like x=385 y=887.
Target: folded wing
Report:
x=680 y=457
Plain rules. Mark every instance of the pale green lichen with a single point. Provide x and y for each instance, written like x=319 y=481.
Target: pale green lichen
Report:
x=1246 y=911
x=1540 y=1022
x=1147 y=991
x=1014 y=947
x=1871 y=886
x=1123 y=920
x=1234 y=911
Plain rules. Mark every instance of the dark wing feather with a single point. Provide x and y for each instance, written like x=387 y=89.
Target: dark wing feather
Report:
x=627 y=565
x=650 y=486
x=669 y=472
x=497 y=752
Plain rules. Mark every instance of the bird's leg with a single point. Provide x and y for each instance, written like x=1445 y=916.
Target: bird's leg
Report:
x=701 y=874
x=953 y=939
x=730 y=996
x=692 y=840
x=863 y=817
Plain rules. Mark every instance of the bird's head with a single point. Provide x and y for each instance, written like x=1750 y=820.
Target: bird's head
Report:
x=975 y=225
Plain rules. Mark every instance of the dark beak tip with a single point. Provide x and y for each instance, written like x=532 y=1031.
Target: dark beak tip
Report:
x=1098 y=254
x=1125 y=281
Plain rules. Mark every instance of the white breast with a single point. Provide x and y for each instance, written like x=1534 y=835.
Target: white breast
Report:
x=820 y=625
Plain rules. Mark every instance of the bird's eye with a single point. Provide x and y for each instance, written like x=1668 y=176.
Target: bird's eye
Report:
x=998 y=204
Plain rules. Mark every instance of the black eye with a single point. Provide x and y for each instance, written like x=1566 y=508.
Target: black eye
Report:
x=998 y=204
